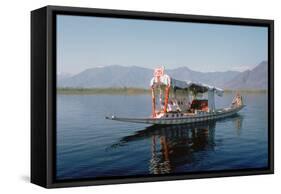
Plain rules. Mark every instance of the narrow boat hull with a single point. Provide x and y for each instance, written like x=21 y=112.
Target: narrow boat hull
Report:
x=181 y=120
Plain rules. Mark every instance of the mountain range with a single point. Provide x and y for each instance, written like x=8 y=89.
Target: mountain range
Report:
x=134 y=76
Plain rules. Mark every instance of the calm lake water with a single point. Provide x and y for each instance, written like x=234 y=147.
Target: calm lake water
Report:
x=88 y=146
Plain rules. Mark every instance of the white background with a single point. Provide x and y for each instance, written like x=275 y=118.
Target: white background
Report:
x=15 y=95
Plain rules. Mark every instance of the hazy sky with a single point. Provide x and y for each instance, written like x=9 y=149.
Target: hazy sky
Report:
x=85 y=42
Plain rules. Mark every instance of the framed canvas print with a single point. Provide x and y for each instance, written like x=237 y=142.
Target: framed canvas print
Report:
x=125 y=96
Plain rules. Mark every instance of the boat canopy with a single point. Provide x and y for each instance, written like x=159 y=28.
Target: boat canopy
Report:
x=184 y=85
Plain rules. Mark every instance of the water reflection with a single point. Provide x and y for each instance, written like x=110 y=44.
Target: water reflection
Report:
x=173 y=146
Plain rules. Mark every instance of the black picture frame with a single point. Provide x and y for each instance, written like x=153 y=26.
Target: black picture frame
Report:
x=43 y=93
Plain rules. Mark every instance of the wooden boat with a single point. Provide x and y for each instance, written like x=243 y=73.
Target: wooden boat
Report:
x=181 y=102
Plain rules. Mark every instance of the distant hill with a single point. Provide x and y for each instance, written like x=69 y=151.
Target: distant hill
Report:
x=110 y=76
x=250 y=79
x=133 y=76
x=212 y=78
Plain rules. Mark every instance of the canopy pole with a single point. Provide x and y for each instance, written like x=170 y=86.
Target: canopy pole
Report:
x=166 y=98
x=211 y=100
x=153 y=103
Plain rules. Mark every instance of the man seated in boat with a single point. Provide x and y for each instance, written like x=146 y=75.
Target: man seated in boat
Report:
x=173 y=106
x=237 y=101
x=170 y=107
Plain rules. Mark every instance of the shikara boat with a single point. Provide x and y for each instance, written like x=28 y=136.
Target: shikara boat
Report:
x=181 y=102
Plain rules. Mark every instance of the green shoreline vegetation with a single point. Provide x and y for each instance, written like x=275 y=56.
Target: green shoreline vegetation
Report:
x=97 y=91
x=130 y=91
